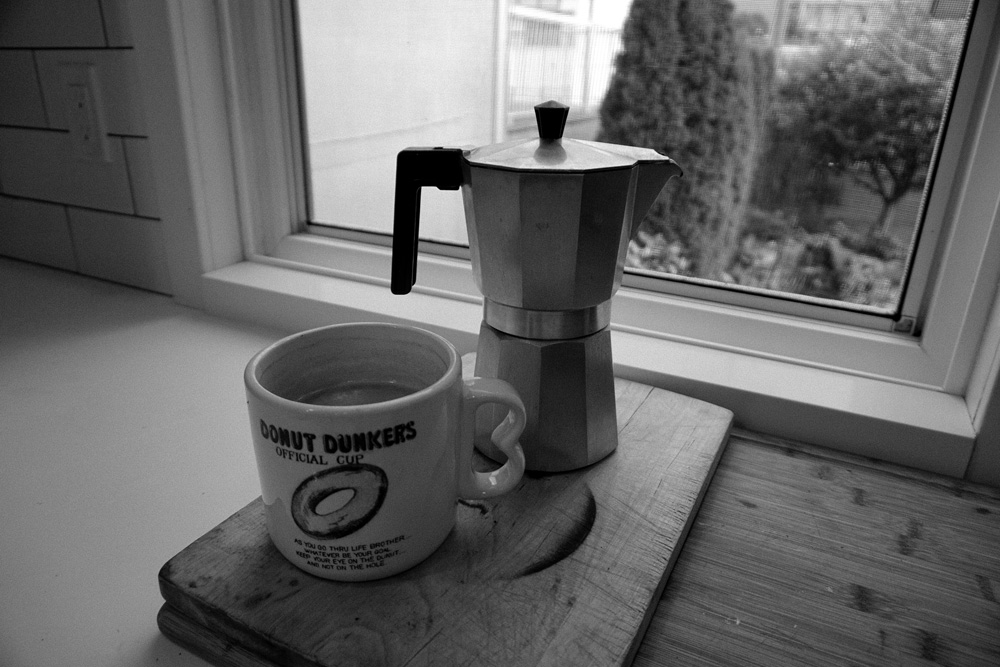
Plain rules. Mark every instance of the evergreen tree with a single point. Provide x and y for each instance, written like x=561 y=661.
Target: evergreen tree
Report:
x=688 y=86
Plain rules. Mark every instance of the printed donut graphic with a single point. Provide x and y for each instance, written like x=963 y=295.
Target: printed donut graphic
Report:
x=369 y=484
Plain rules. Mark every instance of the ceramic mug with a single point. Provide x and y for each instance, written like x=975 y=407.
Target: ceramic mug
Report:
x=363 y=435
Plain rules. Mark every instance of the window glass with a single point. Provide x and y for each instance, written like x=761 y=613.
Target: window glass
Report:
x=382 y=75
x=807 y=129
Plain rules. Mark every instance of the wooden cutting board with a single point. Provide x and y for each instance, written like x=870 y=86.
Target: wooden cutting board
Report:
x=566 y=570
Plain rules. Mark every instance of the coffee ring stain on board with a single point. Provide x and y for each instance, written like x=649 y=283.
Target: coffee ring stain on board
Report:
x=570 y=540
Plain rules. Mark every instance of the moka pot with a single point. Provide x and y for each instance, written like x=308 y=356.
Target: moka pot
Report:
x=549 y=221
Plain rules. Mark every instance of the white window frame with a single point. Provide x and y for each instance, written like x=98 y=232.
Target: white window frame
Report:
x=224 y=135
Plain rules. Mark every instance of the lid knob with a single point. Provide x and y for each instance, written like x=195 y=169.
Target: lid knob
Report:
x=551 y=119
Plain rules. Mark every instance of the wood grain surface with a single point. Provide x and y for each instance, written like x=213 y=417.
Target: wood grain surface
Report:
x=801 y=556
x=566 y=570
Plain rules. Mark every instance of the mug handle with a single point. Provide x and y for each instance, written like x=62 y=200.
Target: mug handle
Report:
x=474 y=485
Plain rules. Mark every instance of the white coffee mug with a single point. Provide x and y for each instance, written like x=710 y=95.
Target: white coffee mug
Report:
x=363 y=435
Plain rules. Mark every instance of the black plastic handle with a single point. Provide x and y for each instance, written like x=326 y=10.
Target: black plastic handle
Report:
x=417 y=168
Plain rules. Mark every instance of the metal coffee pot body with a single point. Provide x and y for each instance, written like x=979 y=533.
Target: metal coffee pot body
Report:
x=549 y=221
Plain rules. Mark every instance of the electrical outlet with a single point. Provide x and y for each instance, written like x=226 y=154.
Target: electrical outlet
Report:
x=84 y=112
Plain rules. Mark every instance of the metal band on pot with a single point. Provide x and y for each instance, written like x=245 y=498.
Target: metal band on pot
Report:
x=547 y=324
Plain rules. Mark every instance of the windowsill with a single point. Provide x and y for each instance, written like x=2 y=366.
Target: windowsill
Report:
x=908 y=425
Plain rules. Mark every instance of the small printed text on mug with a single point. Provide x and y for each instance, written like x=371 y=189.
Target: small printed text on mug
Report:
x=309 y=447
x=348 y=558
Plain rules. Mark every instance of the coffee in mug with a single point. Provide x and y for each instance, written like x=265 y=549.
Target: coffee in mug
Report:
x=363 y=435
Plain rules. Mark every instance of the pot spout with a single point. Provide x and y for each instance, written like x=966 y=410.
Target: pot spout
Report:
x=650 y=179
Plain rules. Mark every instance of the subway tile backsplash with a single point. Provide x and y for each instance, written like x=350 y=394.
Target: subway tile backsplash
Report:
x=41 y=165
x=36 y=232
x=141 y=177
x=119 y=248
x=57 y=206
x=52 y=24
x=20 y=95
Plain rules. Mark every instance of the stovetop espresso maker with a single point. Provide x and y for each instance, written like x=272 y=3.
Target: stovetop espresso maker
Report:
x=549 y=221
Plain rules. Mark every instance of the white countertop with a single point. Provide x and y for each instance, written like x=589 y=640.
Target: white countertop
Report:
x=124 y=430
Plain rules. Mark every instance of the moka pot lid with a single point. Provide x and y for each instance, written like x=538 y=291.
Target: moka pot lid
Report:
x=551 y=152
